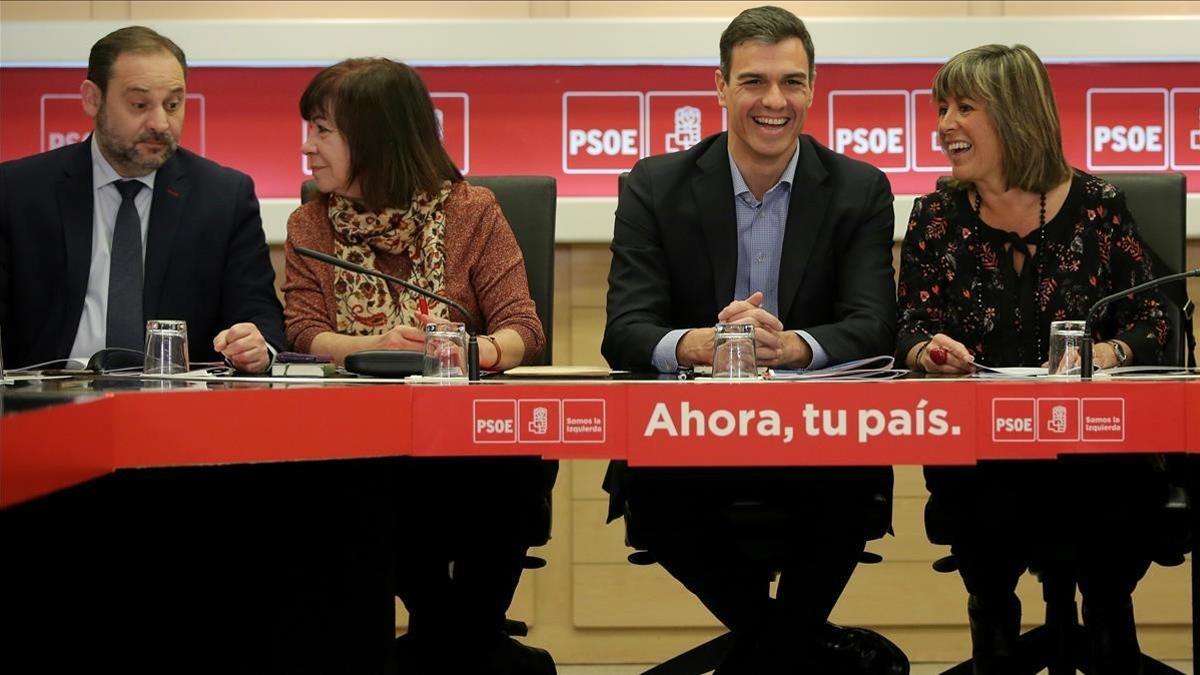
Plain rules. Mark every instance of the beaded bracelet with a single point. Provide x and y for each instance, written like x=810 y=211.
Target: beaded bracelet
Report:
x=917 y=360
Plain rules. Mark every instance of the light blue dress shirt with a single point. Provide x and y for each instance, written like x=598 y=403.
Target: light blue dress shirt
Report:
x=106 y=200
x=760 y=229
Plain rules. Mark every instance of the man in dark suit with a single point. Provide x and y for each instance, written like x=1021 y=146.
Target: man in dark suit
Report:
x=766 y=226
x=165 y=569
x=99 y=236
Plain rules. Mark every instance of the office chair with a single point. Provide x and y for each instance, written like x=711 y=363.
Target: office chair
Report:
x=758 y=524
x=1158 y=203
x=529 y=204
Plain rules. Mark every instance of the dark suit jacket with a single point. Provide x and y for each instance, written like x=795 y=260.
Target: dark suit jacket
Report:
x=675 y=253
x=207 y=260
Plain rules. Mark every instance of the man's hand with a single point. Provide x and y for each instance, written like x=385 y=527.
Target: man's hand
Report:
x=750 y=311
x=782 y=349
x=244 y=346
x=695 y=348
x=775 y=347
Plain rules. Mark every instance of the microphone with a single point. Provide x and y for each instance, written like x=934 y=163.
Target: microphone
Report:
x=1085 y=351
x=472 y=325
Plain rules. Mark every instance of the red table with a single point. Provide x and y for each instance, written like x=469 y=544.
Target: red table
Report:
x=648 y=423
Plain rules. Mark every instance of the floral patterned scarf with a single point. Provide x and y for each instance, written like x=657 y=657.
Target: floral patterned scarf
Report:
x=366 y=305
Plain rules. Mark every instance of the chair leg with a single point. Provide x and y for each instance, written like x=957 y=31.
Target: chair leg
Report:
x=1152 y=666
x=1112 y=638
x=965 y=668
x=1034 y=648
x=697 y=660
x=1062 y=623
x=995 y=630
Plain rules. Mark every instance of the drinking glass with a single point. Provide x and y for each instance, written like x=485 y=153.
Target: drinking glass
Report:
x=166 y=347
x=1066 y=340
x=733 y=351
x=446 y=350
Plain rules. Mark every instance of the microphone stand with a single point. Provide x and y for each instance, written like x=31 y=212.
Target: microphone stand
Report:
x=1085 y=350
x=472 y=326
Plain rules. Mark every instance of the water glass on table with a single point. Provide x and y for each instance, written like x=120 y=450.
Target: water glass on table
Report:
x=446 y=350
x=733 y=352
x=1066 y=341
x=166 y=347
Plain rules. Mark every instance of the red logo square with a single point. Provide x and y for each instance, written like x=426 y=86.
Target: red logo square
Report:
x=871 y=126
x=1127 y=128
x=1103 y=419
x=1185 y=125
x=602 y=131
x=495 y=421
x=539 y=421
x=1058 y=419
x=1013 y=419
x=927 y=147
x=677 y=120
x=453 y=111
x=584 y=421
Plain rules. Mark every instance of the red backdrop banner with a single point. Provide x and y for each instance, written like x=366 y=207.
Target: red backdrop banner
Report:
x=585 y=124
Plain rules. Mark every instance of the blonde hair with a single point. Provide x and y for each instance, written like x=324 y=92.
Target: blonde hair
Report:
x=1015 y=88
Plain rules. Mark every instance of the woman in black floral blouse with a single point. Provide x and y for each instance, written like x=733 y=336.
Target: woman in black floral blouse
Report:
x=1016 y=240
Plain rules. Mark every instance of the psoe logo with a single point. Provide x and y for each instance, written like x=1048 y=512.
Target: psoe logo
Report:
x=871 y=125
x=1058 y=419
x=602 y=131
x=677 y=120
x=1126 y=128
x=538 y=421
x=494 y=421
x=1013 y=420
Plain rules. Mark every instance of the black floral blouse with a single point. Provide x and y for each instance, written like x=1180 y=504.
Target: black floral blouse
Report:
x=957 y=277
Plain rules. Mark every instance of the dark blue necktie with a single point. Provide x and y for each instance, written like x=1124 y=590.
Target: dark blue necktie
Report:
x=125 y=327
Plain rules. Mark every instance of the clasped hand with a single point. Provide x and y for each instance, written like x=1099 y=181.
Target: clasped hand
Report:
x=774 y=346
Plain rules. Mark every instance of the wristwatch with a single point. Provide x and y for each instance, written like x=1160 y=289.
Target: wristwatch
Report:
x=1119 y=349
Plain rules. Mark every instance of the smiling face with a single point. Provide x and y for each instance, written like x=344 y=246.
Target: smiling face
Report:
x=767 y=96
x=139 y=117
x=969 y=138
x=329 y=158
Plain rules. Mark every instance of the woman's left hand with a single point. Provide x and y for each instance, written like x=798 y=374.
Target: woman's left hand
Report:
x=1104 y=355
x=402 y=337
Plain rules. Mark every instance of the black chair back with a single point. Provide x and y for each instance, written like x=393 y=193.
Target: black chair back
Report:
x=1158 y=202
x=529 y=203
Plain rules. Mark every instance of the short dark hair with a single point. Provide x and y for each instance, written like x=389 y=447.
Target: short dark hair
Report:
x=767 y=24
x=138 y=39
x=385 y=113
